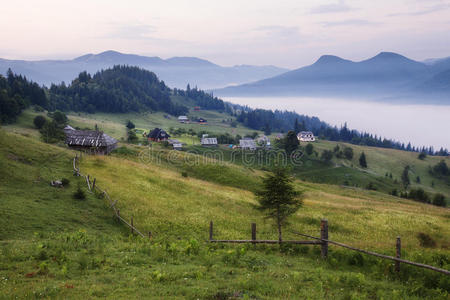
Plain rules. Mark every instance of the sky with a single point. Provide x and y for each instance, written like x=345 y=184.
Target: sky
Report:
x=286 y=33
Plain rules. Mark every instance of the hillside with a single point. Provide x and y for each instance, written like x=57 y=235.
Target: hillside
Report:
x=58 y=247
x=176 y=71
x=384 y=75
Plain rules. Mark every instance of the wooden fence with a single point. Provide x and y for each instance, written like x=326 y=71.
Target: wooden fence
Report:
x=323 y=241
x=92 y=186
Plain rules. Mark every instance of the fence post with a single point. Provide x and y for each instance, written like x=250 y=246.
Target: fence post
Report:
x=253 y=231
x=93 y=184
x=149 y=235
x=324 y=236
x=132 y=226
x=398 y=247
x=211 y=230
x=118 y=215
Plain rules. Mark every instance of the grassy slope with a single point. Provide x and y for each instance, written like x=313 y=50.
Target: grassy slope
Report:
x=77 y=244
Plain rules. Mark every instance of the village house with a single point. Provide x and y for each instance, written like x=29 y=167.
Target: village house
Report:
x=247 y=144
x=176 y=144
x=202 y=121
x=206 y=141
x=158 y=135
x=183 y=119
x=306 y=136
x=89 y=141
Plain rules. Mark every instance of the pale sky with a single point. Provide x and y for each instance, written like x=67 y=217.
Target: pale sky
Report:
x=288 y=33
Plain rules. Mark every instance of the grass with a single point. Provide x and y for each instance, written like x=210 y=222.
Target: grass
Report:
x=54 y=246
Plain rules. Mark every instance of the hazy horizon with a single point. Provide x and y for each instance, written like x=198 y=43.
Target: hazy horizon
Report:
x=289 y=34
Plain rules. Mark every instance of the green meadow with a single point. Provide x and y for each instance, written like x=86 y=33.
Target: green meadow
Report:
x=55 y=246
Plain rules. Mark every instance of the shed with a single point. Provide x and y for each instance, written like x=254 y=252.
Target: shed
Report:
x=91 y=140
x=176 y=144
x=183 y=119
x=209 y=142
x=202 y=121
x=158 y=135
x=247 y=144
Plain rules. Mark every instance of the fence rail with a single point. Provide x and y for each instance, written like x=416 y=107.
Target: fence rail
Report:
x=112 y=203
x=324 y=241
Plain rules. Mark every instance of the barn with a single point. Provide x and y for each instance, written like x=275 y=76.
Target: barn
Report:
x=158 y=135
x=89 y=140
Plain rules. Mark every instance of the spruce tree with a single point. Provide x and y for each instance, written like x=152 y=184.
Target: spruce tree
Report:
x=362 y=160
x=278 y=199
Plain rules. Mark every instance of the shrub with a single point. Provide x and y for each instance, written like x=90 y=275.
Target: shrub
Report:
x=65 y=181
x=39 y=121
x=326 y=155
x=439 y=200
x=419 y=195
x=184 y=174
x=348 y=153
x=425 y=240
x=309 y=149
x=422 y=156
x=79 y=193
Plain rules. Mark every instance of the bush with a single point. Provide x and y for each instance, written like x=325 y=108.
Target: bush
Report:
x=184 y=174
x=419 y=195
x=439 y=200
x=65 y=181
x=327 y=155
x=348 y=153
x=79 y=194
x=39 y=121
x=425 y=240
x=422 y=156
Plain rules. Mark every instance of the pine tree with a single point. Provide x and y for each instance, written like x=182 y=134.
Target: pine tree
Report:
x=278 y=199
x=362 y=160
x=405 y=177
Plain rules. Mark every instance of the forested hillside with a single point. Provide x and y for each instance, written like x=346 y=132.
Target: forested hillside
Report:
x=16 y=94
x=117 y=90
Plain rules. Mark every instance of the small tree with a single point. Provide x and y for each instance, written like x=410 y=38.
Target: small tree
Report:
x=132 y=138
x=405 y=177
x=79 y=193
x=60 y=118
x=130 y=125
x=327 y=155
x=278 y=199
x=362 y=160
x=309 y=149
x=291 y=143
x=39 y=121
x=348 y=153
x=422 y=156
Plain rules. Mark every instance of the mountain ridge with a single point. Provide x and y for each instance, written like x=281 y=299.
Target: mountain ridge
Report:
x=176 y=71
x=385 y=74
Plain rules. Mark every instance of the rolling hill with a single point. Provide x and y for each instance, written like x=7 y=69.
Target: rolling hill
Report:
x=384 y=75
x=176 y=71
x=54 y=246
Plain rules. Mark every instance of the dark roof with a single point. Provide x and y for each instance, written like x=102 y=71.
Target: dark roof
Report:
x=158 y=133
x=89 y=138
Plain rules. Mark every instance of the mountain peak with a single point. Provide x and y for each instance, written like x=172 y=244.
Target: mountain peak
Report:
x=330 y=59
x=389 y=56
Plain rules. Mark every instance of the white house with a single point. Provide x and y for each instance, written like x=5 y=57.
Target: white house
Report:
x=183 y=119
x=306 y=136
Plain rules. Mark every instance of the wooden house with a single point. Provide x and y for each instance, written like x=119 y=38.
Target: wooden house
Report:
x=158 y=135
x=206 y=141
x=89 y=140
x=247 y=144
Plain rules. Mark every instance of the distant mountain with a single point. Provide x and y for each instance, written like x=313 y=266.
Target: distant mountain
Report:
x=384 y=75
x=176 y=72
